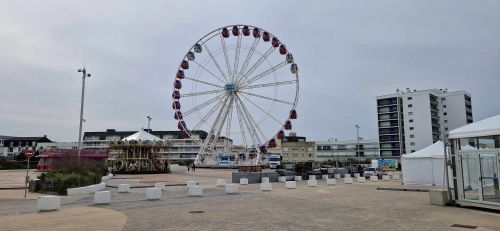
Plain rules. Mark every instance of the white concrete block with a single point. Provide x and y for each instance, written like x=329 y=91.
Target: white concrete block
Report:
x=324 y=177
x=221 y=182
x=266 y=186
x=361 y=179
x=243 y=181
x=347 y=175
x=191 y=183
x=356 y=175
x=395 y=177
x=298 y=178
x=313 y=177
x=348 y=180
x=48 y=203
x=107 y=177
x=231 y=188
x=336 y=176
x=195 y=191
x=102 y=197
x=153 y=193
x=373 y=178
x=124 y=188
x=291 y=184
x=264 y=180
x=282 y=179
x=331 y=181
x=312 y=183
x=160 y=185
x=386 y=177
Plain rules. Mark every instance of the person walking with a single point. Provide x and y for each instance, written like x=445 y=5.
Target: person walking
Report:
x=193 y=167
x=189 y=166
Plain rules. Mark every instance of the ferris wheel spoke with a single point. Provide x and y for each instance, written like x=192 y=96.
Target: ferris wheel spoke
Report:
x=247 y=59
x=240 y=123
x=265 y=73
x=257 y=64
x=209 y=114
x=230 y=118
x=219 y=123
x=268 y=84
x=265 y=112
x=236 y=59
x=268 y=98
x=252 y=120
x=225 y=55
x=206 y=103
x=207 y=83
x=251 y=131
x=202 y=93
x=216 y=64
x=204 y=68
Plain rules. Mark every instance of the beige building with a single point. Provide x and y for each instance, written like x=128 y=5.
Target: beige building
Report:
x=296 y=149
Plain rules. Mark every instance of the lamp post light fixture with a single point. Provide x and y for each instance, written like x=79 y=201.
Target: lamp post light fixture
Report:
x=84 y=75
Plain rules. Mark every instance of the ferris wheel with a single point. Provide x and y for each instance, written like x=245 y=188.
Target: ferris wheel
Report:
x=240 y=84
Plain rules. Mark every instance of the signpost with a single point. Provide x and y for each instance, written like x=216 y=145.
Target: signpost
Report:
x=28 y=154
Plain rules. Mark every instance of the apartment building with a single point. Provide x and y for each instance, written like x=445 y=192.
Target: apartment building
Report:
x=297 y=149
x=349 y=149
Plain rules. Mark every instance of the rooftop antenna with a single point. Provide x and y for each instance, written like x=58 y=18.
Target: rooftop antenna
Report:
x=149 y=122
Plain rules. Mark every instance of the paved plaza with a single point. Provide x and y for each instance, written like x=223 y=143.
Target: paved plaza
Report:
x=359 y=206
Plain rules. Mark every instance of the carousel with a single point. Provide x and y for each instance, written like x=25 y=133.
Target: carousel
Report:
x=140 y=153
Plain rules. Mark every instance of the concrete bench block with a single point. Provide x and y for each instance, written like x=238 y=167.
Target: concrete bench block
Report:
x=231 y=188
x=153 y=193
x=282 y=179
x=324 y=177
x=291 y=184
x=298 y=178
x=195 y=191
x=48 y=203
x=312 y=177
x=373 y=178
x=312 y=183
x=264 y=180
x=361 y=179
x=243 y=181
x=221 y=182
x=395 y=177
x=386 y=177
x=102 y=197
x=356 y=175
x=438 y=197
x=266 y=186
x=160 y=185
x=124 y=188
x=336 y=176
x=348 y=180
x=331 y=181
x=190 y=183
x=347 y=175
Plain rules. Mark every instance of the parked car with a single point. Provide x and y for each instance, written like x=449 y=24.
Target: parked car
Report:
x=373 y=172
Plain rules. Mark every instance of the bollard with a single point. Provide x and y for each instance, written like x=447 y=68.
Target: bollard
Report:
x=231 y=188
x=348 y=180
x=282 y=179
x=361 y=179
x=102 y=197
x=266 y=186
x=386 y=177
x=373 y=178
x=191 y=183
x=160 y=185
x=153 y=193
x=395 y=177
x=195 y=191
x=243 y=181
x=356 y=175
x=264 y=180
x=298 y=178
x=336 y=176
x=347 y=175
x=312 y=183
x=221 y=182
x=331 y=181
x=124 y=188
x=291 y=184
x=312 y=177
x=324 y=177
x=48 y=203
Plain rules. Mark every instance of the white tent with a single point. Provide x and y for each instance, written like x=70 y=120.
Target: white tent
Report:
x=425 y=166
x=142 y=135
x=487 y=127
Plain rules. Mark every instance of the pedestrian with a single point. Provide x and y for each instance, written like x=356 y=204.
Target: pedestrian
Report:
x=189 y=166
x=193 y=167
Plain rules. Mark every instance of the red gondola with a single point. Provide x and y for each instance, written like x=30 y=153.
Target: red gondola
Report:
x=281 y=135
x=225 y=33
x=180 y=74
x=176 y=105
x=185 y=64
x=246 y=31
x=177 y=84
x=272 y=143
x=293 y=114
x=263 y=149
x=181 y=125
x=275 y=42
x=283 y=50
x=256 y=32
x=236 y=31
x=288 y=125
x=176 y=95
x=266 y=37
x=178 y=115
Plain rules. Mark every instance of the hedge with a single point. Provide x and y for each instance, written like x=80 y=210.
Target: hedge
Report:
x=5 y=165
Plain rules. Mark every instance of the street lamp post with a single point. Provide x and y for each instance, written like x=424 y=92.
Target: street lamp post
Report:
x=149 y=122
x=84 y=75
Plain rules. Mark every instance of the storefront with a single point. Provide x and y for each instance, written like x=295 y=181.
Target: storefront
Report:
x=475 y=153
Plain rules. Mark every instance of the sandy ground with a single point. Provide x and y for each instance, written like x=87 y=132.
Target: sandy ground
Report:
x=359 y=206
x=15 y=178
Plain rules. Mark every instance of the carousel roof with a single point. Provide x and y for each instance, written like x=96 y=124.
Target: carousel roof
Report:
x=142 y=135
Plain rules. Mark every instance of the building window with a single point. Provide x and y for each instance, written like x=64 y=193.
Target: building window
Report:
x=411 y=120
x=446 y=121
x=412 y=150
x=285 y=149
x=444 y=105
x=309 y=149
x=412 y=143
x=410 y=113
x=412 y=128
x=409 y=97
x=443 y=99
x=445 y=113
x=286 y=155
x=446 y=129
x=412 y=136
x=310 y=155
x=410 y=105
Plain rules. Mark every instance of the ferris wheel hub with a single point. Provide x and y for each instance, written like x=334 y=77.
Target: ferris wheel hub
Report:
x=230 y=87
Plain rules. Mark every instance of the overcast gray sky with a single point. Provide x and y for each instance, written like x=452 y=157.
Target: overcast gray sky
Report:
x=348 y=53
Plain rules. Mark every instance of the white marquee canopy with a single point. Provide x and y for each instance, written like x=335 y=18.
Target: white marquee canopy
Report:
x=142 y=135
x=425 y=166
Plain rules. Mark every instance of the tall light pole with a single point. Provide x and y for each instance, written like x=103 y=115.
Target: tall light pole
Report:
x=149 y=122
x=84 y=75
x=357 y=138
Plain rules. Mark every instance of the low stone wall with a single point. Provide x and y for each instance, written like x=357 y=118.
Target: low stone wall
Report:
x=254 y=177
x=86 y=190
